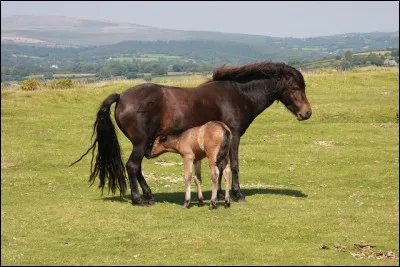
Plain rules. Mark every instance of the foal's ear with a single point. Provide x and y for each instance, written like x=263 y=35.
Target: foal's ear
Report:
x=163 y=138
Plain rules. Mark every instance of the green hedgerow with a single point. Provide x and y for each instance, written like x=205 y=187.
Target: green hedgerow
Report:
x=61 y=84
x=29 y=85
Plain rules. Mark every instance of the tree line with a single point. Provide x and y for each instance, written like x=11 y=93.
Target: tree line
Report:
x=349 y=60
x=128 y=59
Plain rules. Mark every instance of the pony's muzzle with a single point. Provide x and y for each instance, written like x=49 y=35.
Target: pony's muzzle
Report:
x=304 y=113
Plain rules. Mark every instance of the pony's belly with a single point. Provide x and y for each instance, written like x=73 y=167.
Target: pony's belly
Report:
x=171 y=124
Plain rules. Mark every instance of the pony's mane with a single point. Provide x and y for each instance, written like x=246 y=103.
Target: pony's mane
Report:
x=256 y=71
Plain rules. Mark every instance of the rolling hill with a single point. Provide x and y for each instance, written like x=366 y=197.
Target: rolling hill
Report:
x=60 y=31
x=35 y=44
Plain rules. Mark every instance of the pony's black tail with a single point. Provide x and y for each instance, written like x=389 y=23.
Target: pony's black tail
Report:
x=109 y=163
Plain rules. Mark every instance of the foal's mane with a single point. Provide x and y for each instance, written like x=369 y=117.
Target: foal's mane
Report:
x=257 y=71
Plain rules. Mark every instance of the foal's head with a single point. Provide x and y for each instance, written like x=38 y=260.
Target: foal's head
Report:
x=160 y=146
x=293 y=94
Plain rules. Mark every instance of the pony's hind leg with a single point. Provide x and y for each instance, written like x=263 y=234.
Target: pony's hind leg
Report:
x=132 y=168
x=197 y=180
x=147 y=195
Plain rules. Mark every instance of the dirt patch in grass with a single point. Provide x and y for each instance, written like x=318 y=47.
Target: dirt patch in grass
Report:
x=363 y=251
x=164 y=162
x=6 y=165
x=325 y=143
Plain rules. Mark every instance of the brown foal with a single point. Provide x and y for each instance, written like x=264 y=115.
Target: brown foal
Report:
x=211 y=140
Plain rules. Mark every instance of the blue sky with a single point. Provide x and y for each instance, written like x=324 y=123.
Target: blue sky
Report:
x=278 y=19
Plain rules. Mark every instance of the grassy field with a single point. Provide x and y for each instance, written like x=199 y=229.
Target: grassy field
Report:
x=62 y=75
x=313 y=189
x=332 y=62
x=147 y=57
x=379 y=53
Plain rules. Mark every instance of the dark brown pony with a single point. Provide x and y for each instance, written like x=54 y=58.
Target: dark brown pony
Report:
x=235 y=96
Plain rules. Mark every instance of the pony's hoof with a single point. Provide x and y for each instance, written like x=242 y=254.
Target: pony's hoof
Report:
x=149 y=202
x=149 y=198
x=239 y=197
x=140 y=202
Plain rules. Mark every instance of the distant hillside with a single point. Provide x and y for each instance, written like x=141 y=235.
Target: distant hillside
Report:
x=68 y=31
x=54 y=44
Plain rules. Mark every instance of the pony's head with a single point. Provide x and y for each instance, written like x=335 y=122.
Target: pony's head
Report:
x=289 y=83
x=293 y=93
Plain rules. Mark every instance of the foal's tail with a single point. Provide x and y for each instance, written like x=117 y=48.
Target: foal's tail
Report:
x=109 y=163
x=226 y=144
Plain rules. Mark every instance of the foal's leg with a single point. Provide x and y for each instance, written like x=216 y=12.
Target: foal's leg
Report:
x=132 y=168
x=214 y=180
x=197 y=180
x=227 y=176
x=224 y=169
x=220 y=194
x=233 y=157
x=188 y=164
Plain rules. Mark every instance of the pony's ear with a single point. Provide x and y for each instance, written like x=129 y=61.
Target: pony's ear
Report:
x=163 y=138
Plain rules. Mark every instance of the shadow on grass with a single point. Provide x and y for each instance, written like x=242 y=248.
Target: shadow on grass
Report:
x=178 y=197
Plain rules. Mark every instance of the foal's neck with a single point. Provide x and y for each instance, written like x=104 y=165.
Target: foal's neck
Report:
x=173 y=143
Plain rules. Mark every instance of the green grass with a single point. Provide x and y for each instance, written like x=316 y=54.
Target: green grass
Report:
x=330 y=180
x=175 y=77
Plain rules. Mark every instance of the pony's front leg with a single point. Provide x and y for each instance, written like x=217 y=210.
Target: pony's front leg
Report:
x=188 y=165
x=197 y=180
x=233 y=156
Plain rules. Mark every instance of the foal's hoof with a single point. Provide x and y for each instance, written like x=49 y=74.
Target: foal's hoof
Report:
x=227 y=204
x=201 y=203
x=186 y=204
x=213 y=205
